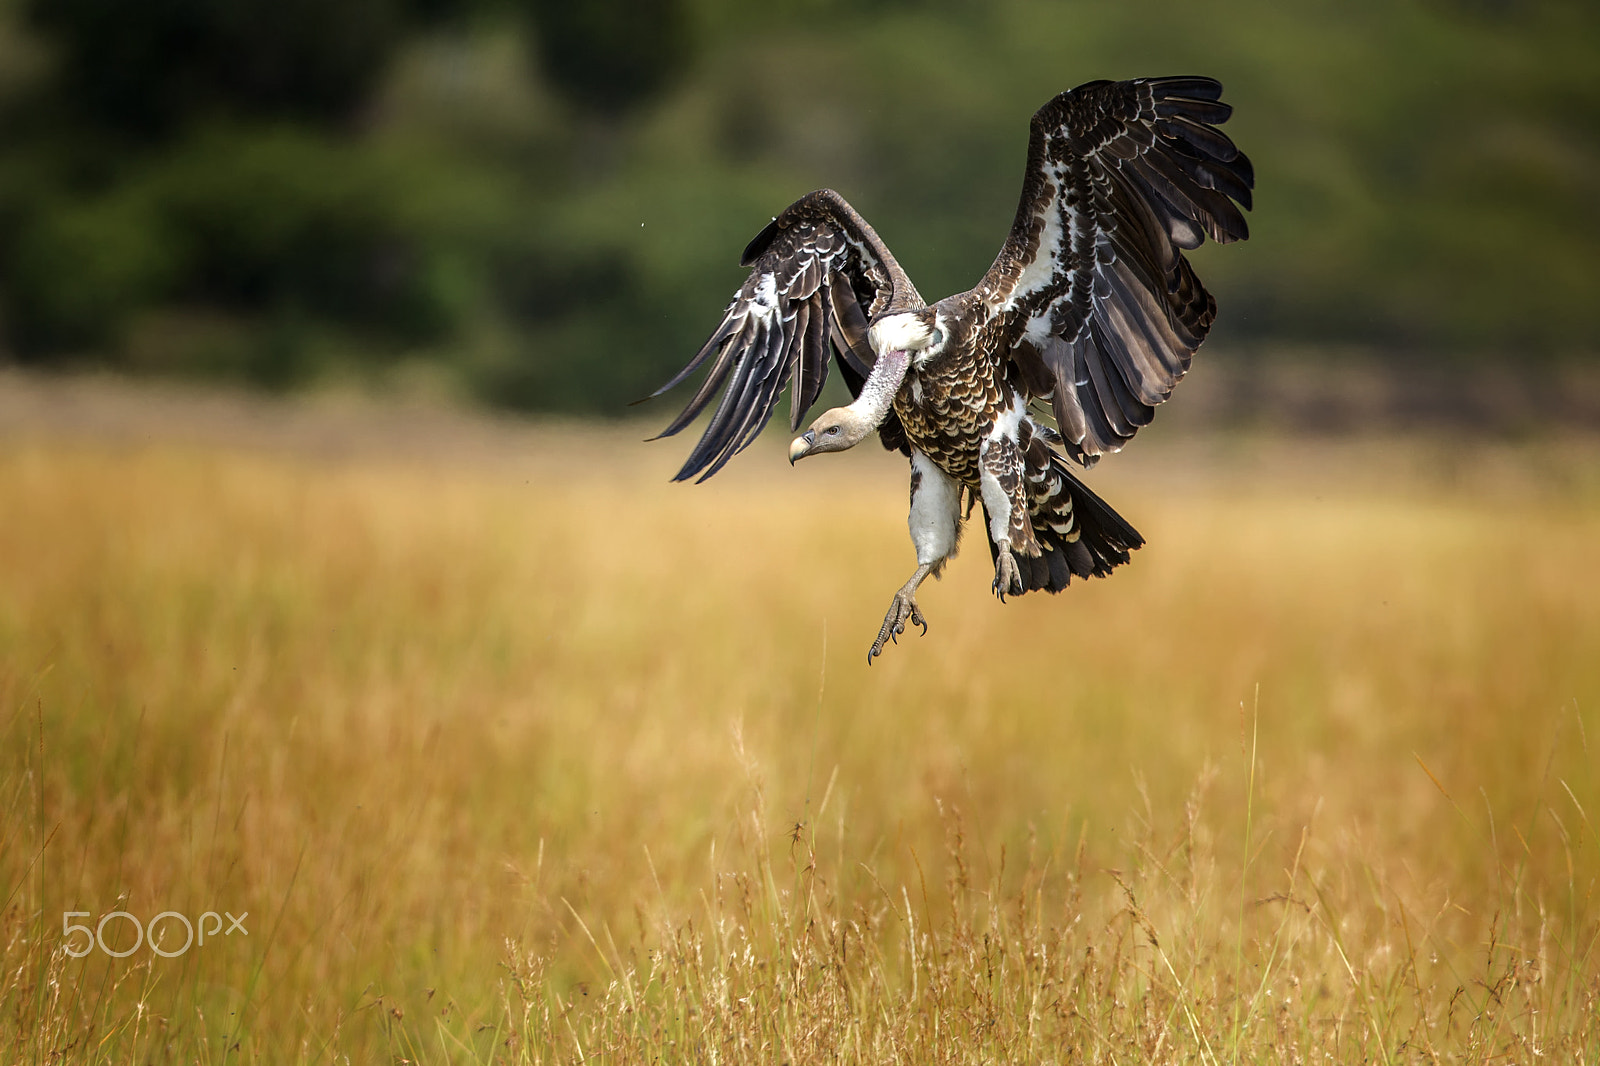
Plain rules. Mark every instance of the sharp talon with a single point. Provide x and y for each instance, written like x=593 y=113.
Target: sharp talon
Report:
x=902 y=610
x=1007 y=577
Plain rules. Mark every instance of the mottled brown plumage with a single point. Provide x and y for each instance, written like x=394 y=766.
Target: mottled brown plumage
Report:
x=1090 y=308
x=945 y=408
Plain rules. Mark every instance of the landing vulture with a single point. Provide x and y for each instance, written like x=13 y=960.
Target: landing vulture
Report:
x=1085 y=322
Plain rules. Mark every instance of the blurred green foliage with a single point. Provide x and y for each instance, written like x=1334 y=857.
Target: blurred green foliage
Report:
x=146 y=68
x=542 y=204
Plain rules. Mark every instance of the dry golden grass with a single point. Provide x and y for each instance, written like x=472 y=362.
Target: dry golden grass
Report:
x=527 y=763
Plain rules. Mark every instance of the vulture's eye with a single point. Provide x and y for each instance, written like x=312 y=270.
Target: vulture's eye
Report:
x=833 y=431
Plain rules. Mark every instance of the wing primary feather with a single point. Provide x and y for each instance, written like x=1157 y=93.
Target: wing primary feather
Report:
x=1140 y=231
x=754 y=402
x=1101 y=378
x=1195 y=86
x=1061 y=357
x=721 y=334
x=1211 y=112
x=1214 y=174
x=1176 y=210
x=1138 y=357
x=714 y=440
x=763 y=400
x=1208 y=207
x=1133 y=412
x=1244 y=169
x=1102 y=435
x=1153 y=310
x=756 y=408
x=732 y=351
x=814 y=359
x=795 y=357
x=1190 y=308
x=1208 y=140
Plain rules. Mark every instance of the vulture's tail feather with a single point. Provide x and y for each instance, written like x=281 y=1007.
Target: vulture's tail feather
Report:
x=1081 y=536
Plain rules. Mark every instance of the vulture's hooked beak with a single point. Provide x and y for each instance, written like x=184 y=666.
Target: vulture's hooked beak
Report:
x=801 y=447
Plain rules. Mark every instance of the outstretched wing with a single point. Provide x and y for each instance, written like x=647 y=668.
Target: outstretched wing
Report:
x=819 y=275
x=1091 y=295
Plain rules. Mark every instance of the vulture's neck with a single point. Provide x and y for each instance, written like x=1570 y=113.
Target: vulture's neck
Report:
x=878 y=392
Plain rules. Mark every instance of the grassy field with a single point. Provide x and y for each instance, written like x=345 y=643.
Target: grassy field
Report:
x=524 y=755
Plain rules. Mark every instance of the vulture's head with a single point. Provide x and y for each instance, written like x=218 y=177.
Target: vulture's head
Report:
x=898 y=341
x=834 y=431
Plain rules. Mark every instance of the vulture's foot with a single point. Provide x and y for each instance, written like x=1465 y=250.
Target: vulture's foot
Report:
x=1007 y=577
x=902 y=610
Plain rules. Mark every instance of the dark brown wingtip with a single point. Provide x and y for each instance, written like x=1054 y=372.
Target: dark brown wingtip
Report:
x=758 y=244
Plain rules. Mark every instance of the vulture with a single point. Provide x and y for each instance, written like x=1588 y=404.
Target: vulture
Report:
x=1086 y=320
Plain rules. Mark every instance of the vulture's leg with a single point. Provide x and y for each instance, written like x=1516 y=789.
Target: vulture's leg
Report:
x=1005 y=497
x=935 y=523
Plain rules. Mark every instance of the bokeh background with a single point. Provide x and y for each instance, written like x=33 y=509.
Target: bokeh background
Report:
x=330 y=596
x=540 y=205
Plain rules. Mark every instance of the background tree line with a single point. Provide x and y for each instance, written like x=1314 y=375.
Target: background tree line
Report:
x=541 y=203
